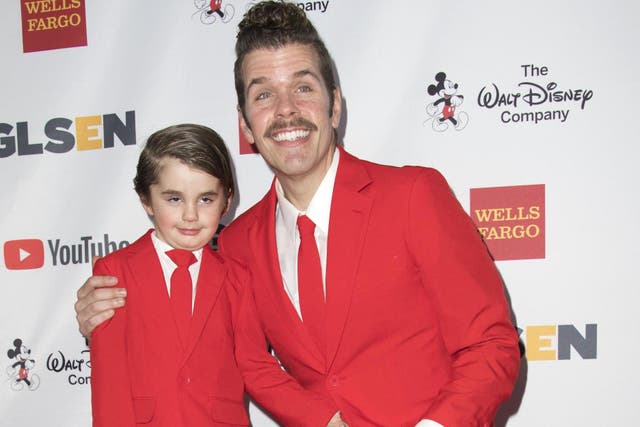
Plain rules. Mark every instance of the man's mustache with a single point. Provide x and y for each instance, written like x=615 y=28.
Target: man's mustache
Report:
x=284 y=124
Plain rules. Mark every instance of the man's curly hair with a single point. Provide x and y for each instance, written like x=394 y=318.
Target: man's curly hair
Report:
x=272 y=25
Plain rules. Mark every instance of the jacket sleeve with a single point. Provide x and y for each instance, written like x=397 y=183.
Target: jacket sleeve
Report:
x=468 y=294
x=111 y=403
x=265 y=380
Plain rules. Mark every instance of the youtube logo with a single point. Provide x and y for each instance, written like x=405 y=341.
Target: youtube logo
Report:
x=23 y=254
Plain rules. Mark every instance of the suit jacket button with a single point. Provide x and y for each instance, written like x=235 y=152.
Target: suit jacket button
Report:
x=334 y=381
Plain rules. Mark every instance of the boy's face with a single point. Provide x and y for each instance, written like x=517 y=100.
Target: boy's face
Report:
x=185 y=205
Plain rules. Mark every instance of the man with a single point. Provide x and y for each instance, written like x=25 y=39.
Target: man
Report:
x=408 y=327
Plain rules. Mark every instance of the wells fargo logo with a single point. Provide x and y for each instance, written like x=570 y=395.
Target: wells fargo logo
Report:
x=52 y=24
x=511 y=220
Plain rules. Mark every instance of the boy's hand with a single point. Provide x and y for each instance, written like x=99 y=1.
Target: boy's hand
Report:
x=96 y=302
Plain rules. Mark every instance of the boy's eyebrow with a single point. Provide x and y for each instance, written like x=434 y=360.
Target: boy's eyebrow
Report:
x=204 y=193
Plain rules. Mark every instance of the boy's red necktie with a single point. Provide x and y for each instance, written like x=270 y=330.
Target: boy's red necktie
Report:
x=181 y=290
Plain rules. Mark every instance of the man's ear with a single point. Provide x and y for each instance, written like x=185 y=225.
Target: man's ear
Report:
x=336 y=108
x=244 y=127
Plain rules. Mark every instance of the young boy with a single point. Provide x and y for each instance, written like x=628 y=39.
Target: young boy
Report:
x=167 y=358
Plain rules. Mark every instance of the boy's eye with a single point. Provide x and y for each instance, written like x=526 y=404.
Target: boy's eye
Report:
x=173 y=199
x=206 y=200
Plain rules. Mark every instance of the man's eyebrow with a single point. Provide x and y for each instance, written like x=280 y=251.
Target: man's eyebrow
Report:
x=256 y=81
x=297 y=75
x=306 y=72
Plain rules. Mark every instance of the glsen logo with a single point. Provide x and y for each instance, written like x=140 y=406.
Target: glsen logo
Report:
x=71 y=367
x=511 y=220
x=89 y=133
x=533 y=94
x=554 y=342
x=444 y=111
x=52 y=24
x=29 y=253
x=24 y=254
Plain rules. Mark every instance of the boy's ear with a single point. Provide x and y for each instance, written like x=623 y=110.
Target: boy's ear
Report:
x=147 y=208
x=227 y=205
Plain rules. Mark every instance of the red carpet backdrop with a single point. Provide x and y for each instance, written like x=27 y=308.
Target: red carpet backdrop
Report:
x=529 y=110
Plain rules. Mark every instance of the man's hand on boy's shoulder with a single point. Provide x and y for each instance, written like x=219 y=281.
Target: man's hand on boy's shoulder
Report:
x=96 y=301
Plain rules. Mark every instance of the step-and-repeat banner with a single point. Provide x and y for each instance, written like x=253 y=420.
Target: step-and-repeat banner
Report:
x=529 y=110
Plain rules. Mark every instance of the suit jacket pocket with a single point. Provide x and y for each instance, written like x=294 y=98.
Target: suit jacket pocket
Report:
x=228 y=411
x=143 y=409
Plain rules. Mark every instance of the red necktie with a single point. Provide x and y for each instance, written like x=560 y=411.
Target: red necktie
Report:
x=181 y=290
x=310 y=289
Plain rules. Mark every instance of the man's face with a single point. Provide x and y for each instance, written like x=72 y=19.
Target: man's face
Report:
x=288 y=112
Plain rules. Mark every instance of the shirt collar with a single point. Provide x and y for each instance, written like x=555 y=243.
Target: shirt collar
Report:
x=162 y=247
x=319 y=208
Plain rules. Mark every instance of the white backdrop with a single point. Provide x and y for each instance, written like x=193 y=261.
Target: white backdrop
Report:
x=574 y=290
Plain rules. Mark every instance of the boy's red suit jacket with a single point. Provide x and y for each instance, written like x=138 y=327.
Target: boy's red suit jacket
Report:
x=140 y=371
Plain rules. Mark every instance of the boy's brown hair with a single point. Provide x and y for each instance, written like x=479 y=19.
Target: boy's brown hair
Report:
x=195 y=145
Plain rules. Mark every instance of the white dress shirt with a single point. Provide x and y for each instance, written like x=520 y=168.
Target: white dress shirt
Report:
x=168 y=266
x=288 y=238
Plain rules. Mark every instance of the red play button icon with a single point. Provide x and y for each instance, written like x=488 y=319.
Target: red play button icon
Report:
x=23 y=254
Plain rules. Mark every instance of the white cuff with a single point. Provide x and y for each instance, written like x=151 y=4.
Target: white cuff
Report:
x=429 y=423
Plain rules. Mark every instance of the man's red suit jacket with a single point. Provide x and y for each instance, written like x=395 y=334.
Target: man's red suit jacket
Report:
x=417 y=321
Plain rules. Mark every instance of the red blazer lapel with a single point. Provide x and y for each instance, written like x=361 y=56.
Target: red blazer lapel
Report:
x=348 y=225
x=146 y=269
x=211 y=278
x=263 y=236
